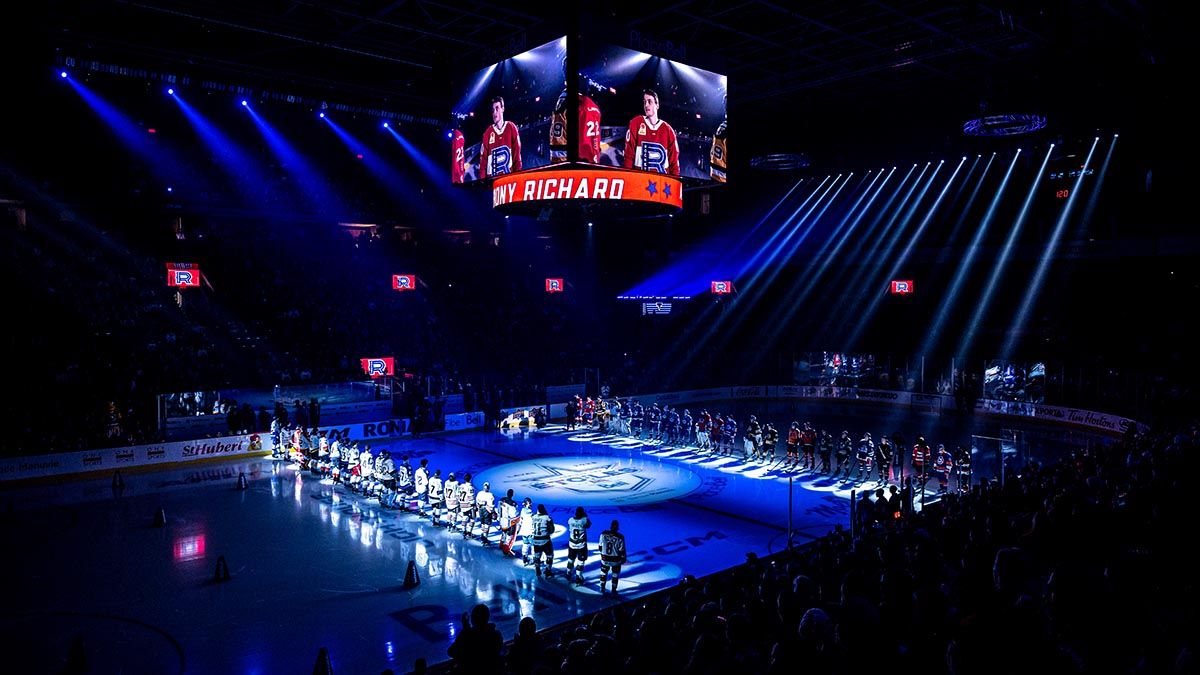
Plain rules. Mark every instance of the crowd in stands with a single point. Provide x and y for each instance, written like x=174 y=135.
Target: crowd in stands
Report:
x=1074 y=567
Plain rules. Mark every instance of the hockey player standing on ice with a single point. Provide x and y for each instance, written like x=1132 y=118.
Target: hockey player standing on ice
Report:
x=485 y=506
x=650 y=142
x=543 y=528
x=525 y=531
x=451 y=501
x=435 y=496
x=508 y=522
x=866 y=452
x=421 y=486
x=577 y=545
x=466 y=506
x=844 y=447
x=731 y=433
x=404 y=483
x=612 y=555
x=943 y=464
x=883 y=458
x=687 y=427
x=825 y=450
x=572 y=409
x=752 y=441
x=770 y=440
x=808 y=442
x=501 y=150
x=653 y=417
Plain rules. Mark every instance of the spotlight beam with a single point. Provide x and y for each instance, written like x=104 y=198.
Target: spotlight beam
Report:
x=234 y=161
x=313 y=189
x=712 y=325
x=798 y=293
x=877 y=295
x=1039 y=277
x=948 y=299
x=692 y=267
x=989 y=291
x=860 y=275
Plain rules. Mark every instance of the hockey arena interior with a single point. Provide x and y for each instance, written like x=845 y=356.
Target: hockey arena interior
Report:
x=439 y=336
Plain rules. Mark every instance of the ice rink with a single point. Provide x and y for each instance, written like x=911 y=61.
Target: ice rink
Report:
x=314 y=565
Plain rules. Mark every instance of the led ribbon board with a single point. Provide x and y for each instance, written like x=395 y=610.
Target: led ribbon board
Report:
x=587 y=185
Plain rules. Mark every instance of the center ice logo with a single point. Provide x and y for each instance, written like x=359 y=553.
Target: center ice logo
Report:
x=592 y=480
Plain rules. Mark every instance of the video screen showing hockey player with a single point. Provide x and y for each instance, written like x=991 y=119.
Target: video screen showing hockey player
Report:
x=502 y=118
x=659 y=115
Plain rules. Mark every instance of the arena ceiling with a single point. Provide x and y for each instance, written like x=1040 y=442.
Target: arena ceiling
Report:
x=839 y=65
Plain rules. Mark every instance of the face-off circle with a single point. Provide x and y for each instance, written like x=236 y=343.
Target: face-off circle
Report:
x=586 y=481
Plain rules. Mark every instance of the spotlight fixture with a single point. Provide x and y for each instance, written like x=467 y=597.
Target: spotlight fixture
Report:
x=244 y=103
x=170 y=92
x=1004 y=125
x=385 y=125
x=63 y=74
x=322 y=115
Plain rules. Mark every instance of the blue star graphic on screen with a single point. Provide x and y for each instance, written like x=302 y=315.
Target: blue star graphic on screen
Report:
x=666 y=189
x=652 y=188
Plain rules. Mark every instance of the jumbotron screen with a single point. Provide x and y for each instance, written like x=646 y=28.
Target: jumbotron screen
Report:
x=634 y=110
x=503 y=115
x=653 y=114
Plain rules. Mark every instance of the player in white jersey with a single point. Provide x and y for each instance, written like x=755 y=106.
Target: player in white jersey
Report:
x=508 y=528
x=451 y=501
x=421 y=486
x=612 y=555
x=577 y=545
x=526 y=531
x=543 y=529
x=485 y=508
x=404 y=483
x=466 y=506
x=435 y=495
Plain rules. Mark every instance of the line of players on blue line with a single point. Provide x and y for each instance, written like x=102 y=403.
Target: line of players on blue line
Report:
x=453 y=503
x=804 y=445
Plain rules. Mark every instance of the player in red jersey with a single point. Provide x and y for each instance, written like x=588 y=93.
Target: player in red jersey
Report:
x=501 y=151
x=650 y=143
x=458 y=166
x=589 y=130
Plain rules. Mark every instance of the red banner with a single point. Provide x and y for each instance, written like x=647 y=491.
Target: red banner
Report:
x=722 y=287
x=554 y=285
x=404 y=282
x=587 y=185
x=183 y=275
x=902 y=287
x=379 y=367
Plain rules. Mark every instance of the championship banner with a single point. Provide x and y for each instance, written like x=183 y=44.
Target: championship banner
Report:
x=183 y=275
x=593 y=185
x=404 y=282
x=379 y=367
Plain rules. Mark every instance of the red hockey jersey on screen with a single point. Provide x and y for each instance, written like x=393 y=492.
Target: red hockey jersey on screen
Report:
x=458 y=165
x=651 y=147
x=589 y=130
x=501 y=151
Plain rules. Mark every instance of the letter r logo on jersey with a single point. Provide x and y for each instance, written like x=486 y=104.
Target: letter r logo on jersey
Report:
x=653 y=157
x=501 y=160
